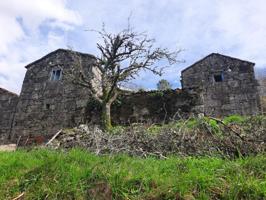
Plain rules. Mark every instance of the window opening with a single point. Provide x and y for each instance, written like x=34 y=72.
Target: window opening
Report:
x=47 y=106
x=56 y=75
x=218 y=77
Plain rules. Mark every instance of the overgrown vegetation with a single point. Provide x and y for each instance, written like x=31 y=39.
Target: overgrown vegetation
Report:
x=77 y=174
x=195 y=158
x=232 y=137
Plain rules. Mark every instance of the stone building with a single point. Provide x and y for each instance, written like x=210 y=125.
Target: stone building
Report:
x=8 y=102
x=49 y=100
x=217 y=85
x=224 y=84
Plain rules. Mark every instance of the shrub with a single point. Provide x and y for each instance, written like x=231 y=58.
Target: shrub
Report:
x=237 y=119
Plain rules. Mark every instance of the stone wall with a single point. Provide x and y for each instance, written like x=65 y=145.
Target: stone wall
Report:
x=225 y=85
x=147 y=107
x=46 y=105
x=8 y=102
x=262 y=92
x=217 y=85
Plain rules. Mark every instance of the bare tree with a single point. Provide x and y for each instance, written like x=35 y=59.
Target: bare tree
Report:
x=122 y=56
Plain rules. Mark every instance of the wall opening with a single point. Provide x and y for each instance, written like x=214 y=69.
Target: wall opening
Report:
x=218 y=77
x=56 y=75
x=47 y=106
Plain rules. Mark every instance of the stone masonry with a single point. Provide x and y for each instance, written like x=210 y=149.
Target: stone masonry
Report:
x=146 y=107
x=217 y=85
x=153 y=107
x=8 y=103
x=49 y=101
x=224 y=84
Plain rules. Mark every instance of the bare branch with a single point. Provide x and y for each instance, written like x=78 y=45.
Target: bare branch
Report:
x=122 y=56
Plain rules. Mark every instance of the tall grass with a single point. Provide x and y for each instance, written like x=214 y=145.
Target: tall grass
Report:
x=47 y=174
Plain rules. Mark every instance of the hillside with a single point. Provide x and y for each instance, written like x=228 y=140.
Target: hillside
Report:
x=46 y=174
x=196 y=158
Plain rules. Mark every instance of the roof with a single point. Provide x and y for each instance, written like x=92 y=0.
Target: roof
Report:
x=7 y=91
x=216 y=54
x=60 y=50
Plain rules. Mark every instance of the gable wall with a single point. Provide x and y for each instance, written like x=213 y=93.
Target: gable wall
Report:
x=236 y=94
x=46 y=106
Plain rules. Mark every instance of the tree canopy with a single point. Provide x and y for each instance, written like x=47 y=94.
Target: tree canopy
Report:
x=163 y=85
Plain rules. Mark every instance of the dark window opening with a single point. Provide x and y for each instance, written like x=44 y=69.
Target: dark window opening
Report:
x=47 y=106
x=218 y=77
x=56 y=74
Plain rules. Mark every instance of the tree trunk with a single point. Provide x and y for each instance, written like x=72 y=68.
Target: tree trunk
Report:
x=106 y=116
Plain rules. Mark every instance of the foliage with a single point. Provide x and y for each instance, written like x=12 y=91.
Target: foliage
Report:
x=141 y=90
x=163 y=85
x=156 y=94
x=191 y=123
x=93 y=104
x=46 y=174
x=238 y=119
x=154 y=129
x=116 y=130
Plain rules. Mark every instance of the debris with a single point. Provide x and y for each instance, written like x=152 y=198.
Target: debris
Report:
x=136 y=140
x=8 y=147
x=53 y=137
x=19 y=197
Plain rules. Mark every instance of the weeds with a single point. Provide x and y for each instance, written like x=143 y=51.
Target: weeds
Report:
x=192 y=137
x=237 y=119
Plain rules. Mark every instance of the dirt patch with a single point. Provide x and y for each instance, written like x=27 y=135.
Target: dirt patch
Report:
x=100 y=191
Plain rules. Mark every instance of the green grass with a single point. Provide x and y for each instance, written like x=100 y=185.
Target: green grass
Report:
x=47 y=174
x=238 y=119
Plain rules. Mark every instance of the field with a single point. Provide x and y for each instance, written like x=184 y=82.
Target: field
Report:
x=77 y=174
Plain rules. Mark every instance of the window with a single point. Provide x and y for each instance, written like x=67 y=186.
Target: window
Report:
x=218 y=77
x=56 y=74
x=47 y=106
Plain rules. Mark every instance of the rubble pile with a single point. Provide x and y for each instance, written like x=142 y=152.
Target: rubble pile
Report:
x=136 y=140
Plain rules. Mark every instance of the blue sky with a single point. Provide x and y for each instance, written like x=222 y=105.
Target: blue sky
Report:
x=33 y=28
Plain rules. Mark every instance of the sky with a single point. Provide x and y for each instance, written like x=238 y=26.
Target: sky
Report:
x=33 y=28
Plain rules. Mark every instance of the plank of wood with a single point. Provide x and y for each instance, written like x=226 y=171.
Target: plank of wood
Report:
x=19 y=197
x=53 y=137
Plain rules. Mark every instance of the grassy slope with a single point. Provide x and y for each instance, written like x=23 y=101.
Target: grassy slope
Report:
x=45 y=174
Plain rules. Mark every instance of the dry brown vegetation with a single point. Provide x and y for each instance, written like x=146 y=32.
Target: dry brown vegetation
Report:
x=232 y=137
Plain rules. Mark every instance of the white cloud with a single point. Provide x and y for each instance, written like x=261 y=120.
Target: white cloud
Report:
x=11 y=32
x=22 y=39
x=236 y=28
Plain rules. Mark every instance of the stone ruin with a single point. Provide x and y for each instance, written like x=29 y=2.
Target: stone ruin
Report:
x=217 y=85
x=225 y=85
x=8 y=103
